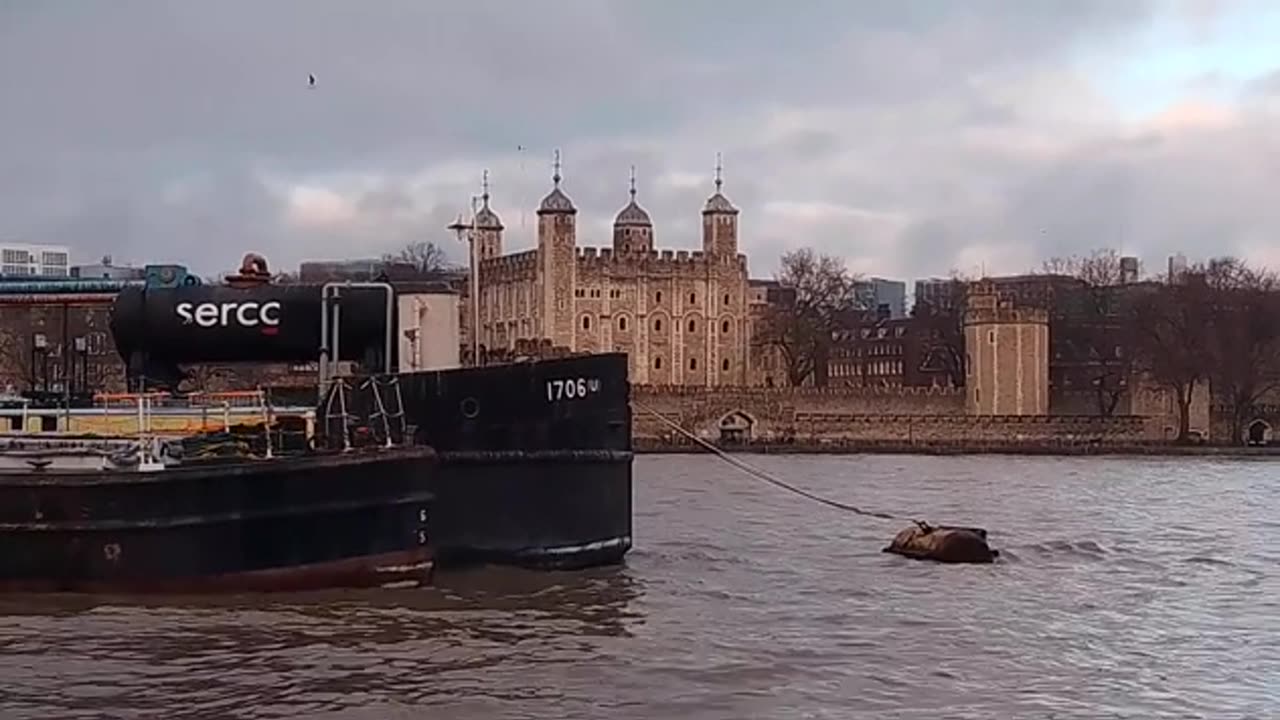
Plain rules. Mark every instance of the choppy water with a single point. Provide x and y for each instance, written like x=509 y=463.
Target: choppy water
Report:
x=1131 y=589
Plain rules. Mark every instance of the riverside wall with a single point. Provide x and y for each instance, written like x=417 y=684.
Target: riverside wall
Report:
x=858 y=419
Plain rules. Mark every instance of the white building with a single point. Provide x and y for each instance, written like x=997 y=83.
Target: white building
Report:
x=18 y=259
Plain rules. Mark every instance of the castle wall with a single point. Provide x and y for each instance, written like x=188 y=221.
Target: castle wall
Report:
x=818 y=416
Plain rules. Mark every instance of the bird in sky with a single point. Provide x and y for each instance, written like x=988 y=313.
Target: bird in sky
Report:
x=311 y=81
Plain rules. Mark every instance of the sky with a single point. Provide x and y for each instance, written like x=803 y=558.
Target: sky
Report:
x=911 y=138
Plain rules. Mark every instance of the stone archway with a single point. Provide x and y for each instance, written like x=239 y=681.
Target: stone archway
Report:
x=736 y=428
x=1258 y=432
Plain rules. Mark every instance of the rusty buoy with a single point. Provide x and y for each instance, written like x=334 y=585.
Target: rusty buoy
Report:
x=943 y=544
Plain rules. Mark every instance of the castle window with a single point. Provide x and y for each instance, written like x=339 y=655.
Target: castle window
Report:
x=622 y=323
x=726 y=299
x=579 y=293
x=657 y=363
x=724 y=365
x=693 y=363
x=586 y=322
x=991 y=336
x=693 y=298
x=657 y=297
x=692 y=326
x=724 y=327
x=657 y=325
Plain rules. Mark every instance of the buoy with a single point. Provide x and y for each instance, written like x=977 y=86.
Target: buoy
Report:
x=943 y=544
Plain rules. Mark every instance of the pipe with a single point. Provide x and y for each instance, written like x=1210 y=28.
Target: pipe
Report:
x=8 y=287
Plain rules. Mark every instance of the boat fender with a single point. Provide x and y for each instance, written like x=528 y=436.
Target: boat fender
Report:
x=943 y=544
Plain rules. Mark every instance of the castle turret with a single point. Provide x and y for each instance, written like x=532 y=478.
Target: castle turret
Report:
x=557 y=262
x=632 y=228
x=1006 y=355
x=719 y=222
x=488 y=226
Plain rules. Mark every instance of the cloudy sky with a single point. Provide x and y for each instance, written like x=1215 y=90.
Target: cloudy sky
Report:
x=911 y=137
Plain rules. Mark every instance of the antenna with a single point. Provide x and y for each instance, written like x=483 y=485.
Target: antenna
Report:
x=719 y=171
x=633 y=183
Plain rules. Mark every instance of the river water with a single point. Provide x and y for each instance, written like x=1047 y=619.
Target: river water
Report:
x=1130 y=588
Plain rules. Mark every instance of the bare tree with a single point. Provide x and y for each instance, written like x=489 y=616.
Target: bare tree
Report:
x=805 y=322
x=1245 y=336
x=1087 y=329
x=938 y=325
x=427 y=257
x=1170 y=329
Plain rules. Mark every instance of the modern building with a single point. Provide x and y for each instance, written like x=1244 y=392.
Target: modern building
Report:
x=107 y=270
x=873 y=293
x=24 y=259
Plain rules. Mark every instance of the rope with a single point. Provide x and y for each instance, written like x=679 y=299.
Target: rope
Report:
x=762 y=475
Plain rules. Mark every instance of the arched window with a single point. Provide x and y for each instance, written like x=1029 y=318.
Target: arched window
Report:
x=657 y=363
x=724 y=365
x=693 y=298
x=586 y=322
x=693 y=326
x=693 y=363
x=657 y=297
x=726 y=299
x=622 y=323
x=724 y=327
x=657 y=324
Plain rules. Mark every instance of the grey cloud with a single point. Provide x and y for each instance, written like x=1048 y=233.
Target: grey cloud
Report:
x=167 y=130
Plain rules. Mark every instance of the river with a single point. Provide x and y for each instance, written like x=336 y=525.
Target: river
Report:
x=1129 y=588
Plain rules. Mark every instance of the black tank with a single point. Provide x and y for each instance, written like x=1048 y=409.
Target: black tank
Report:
x=269 y=323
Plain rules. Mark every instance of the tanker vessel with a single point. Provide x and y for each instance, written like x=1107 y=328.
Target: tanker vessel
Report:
x=534 y=458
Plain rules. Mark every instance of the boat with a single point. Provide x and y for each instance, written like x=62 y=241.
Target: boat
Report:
x=231 y=510
x=534 y=456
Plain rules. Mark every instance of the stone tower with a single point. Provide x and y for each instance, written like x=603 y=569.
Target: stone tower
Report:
x=719 y=223
x=557 y=263
x=1006 y=355
x=632 y=228
x=488 y=227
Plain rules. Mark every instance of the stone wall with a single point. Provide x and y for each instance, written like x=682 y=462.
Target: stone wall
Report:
x=861 y=416
x=772 y=412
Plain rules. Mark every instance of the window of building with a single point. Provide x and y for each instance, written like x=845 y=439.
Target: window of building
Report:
x=622 y=323
x=579 y=293
x=726 y=299
x=657 y=363
x=724 y=365
x=693 y=363
x=657 y=297
x=657 y=324
x=693 y=298
x=586 y=322
x=991 y=336
x=900 y=331
x=724 y=327
x=693 y=325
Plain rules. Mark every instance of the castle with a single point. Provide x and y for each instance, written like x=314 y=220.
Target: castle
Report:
x=683 y=318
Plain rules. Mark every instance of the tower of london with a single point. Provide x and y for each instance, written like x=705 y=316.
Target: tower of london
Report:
x=683 y=317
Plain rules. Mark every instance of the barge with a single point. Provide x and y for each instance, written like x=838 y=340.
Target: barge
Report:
x=213 y=512
x=534 y=461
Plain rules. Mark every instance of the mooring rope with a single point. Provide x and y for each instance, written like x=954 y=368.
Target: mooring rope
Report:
x=762 y=475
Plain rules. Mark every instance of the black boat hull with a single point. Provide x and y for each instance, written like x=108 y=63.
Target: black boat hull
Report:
x=323 y=520
x=535 y=460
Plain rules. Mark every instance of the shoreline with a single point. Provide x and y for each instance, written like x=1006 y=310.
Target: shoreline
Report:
x=649 y=446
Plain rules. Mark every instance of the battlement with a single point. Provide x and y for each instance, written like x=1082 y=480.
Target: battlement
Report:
x=521 y=264
x=782 y=393
x=1005 y=313
x=656 y=261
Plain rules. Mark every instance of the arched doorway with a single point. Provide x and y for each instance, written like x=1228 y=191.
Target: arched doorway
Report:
x=736 y=427
x=1258 y=433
